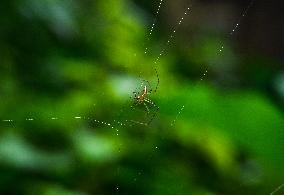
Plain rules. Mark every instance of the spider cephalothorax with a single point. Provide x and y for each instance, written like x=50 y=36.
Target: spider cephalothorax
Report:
x=142 y=97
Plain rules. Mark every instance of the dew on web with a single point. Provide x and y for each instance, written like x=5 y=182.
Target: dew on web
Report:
x=117 y=188
x=172 y=35
x=277 y=189
x=222 y=47
x=234 y=29
x=245 y=12
x=7 y=120
x=130 y=122
x=178 y=114
x=237 y=25
x=107 y=124
x=204 y=75
x=153 y=24
x=156 y=61
x=141 y=97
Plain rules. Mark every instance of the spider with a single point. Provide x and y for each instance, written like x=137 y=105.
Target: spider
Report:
x=142 y=97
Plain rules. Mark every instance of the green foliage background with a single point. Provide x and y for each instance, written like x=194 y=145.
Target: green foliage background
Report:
x=63 y=59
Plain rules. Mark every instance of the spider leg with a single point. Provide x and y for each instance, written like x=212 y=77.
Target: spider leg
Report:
x=150 y=102
x=156 y=110
x=135 y=103
x=138 y=122
x=158 y=81
x=134 y=93
x=135 y=96
x=148 y=111
x=154 y=115
x=149 y=86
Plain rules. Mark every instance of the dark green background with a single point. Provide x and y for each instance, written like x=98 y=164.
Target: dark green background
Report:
x=67 y=58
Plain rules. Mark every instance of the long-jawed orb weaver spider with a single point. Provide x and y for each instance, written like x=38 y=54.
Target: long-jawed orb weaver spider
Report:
x=141 y=98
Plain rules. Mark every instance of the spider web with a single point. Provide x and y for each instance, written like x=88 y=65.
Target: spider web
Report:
x=219 y=51
x=115 y=117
